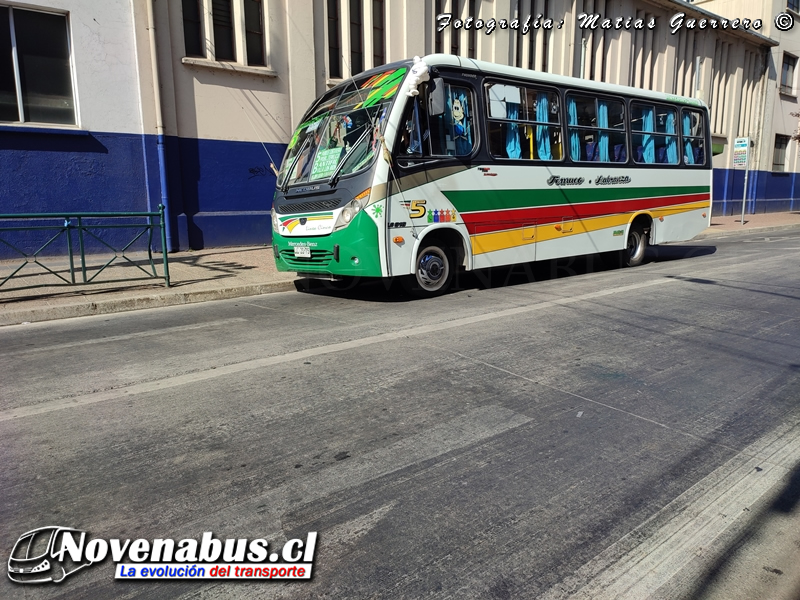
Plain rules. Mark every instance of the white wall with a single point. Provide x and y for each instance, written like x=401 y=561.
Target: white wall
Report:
x=104 y=62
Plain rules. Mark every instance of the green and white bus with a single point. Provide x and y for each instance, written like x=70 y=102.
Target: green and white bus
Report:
x=420 y=168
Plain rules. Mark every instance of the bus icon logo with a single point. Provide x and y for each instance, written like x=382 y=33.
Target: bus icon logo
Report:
x=38 y=556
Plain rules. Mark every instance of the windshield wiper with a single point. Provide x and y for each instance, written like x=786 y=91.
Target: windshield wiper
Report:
x=340 y=166
x=285 y=183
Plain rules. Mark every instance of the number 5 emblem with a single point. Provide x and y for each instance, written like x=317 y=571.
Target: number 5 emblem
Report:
x=417 y=209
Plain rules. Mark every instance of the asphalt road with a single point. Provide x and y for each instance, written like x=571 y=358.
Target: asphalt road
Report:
x=561 y=430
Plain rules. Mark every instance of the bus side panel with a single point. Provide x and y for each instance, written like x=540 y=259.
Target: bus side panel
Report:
x=417 y=212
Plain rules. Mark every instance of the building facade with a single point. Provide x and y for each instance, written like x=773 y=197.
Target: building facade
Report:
x=190 y=103
x=773 y=184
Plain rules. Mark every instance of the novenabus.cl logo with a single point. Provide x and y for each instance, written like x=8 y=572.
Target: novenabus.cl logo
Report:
x=49 y=554
x=39 y=557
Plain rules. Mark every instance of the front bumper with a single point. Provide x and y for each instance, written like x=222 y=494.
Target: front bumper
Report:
x=349 y=252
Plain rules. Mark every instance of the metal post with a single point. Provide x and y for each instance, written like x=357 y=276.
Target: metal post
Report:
x=744 y=195
x=83 y=254
x=164 y=243
x=67 y=225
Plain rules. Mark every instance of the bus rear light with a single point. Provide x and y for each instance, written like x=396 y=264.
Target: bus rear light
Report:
x=398 y=239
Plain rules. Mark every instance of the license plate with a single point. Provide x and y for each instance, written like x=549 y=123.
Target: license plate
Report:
x=302 y=252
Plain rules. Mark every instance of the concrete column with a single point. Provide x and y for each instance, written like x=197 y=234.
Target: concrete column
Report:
x=300 y=49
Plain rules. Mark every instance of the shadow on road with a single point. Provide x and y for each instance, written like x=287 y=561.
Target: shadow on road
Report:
x=391 y=290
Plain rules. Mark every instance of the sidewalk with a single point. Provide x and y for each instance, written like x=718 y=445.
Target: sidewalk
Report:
x=197 y=276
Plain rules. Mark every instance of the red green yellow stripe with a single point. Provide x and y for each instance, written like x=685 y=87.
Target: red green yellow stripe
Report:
x=483 y=242
x=498 y=220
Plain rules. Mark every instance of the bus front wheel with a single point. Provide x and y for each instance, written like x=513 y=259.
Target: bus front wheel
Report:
x=633 y=254
x=433 y=271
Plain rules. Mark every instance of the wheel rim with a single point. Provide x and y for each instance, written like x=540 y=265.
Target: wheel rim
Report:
x=432 y=269
x=635 y=246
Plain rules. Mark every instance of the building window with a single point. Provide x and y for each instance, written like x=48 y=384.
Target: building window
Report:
x=793 y=5
x=787 y=73
x=35 y=72
x=378 y=29
x=227 y=30
x=438 y=43
x=473 y=33
x=193 y=28
x=356 y=38
x=221 y=14
x=254 y=28
x=455 y=38
x=779 y=156
x=334 y=41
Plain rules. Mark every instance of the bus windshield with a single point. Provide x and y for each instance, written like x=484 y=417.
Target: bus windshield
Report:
x=339 y=135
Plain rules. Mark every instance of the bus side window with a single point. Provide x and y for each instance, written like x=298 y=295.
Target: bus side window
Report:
x=596 y=129
x=413 y=131
x=451 y=133
x=654 y=133
x=692 y=137
x=524 y=123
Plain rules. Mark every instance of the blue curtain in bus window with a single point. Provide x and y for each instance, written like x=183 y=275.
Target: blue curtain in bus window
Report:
x=461 y=129
x=512 y=132
x=648 y=143
x=542 y=131
x=688 y=152
x=574 y=136
x=672 y=142
x=602 y=122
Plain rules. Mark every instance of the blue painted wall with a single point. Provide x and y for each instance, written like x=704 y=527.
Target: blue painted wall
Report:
x=225 y=191
x=220 y=192
x=766 y=192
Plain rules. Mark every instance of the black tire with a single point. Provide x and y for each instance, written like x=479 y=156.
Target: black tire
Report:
x=433 y=271
x=633 y=254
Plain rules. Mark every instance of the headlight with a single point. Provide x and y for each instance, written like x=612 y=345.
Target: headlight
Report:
x=275 y=223
x=348 y=213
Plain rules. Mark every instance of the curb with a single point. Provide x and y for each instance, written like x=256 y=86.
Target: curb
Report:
x=116 y=305
x=727 y=232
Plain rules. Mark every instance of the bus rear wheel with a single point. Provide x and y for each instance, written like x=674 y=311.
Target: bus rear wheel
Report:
x=433 y=271
x=633 y=254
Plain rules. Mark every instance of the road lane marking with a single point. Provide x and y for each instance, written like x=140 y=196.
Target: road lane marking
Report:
x=678 y=537
x=126 y=336
x=261 y=363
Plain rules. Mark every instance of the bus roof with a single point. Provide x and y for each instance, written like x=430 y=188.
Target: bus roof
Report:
x=487 y=68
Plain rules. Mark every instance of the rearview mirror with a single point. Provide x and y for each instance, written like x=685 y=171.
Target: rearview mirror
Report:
x=436 y=100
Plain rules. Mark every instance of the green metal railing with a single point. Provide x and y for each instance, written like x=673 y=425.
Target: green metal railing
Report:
x=76 y=222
